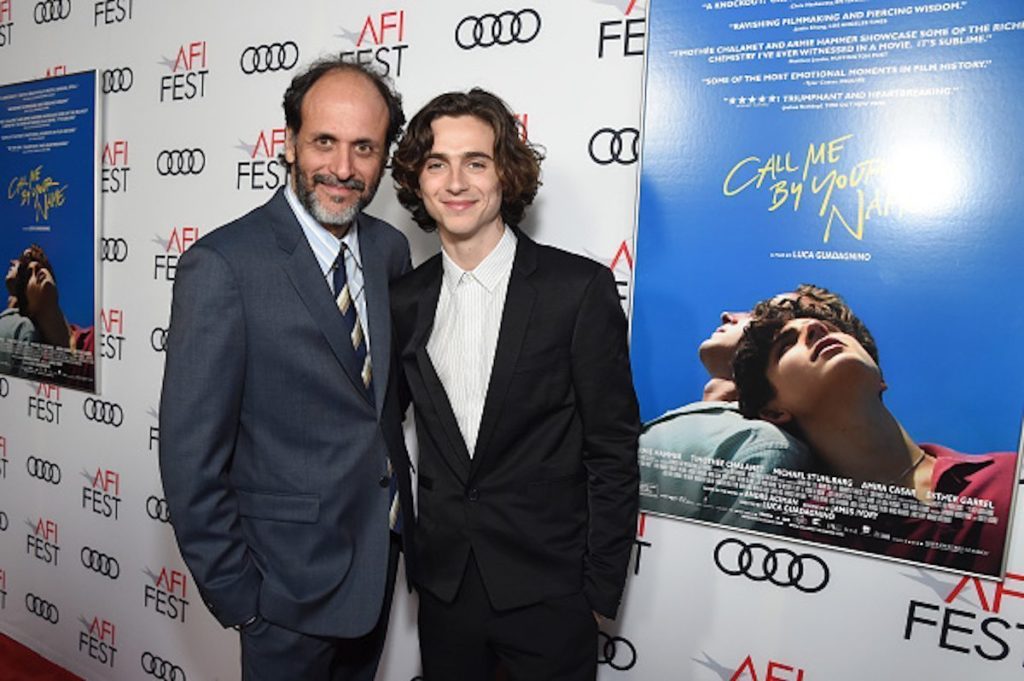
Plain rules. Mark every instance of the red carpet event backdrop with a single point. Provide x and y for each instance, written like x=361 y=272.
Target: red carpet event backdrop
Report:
x=191 y=126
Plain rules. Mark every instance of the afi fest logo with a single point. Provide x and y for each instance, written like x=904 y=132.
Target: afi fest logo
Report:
x=41 y=542
x=112 y=336
x=101 y=495
x=98 y=640
x=753 y=669
x=621 y=265
x=6 y=22
x=970 y=617
x=380 y=40
x=165 y=264
x=261 y=169
x=166 y=594
x=154 y=431
x=114 y=176
x=188 y=73
x=625 y=36
x=109 y=12
x=639 y=543
x=3 y=457
x=45 y=404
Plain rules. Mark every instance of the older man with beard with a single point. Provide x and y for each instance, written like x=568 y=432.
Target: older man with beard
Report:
x=278 y=428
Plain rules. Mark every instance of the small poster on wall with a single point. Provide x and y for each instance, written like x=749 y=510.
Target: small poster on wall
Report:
x=48 y=229
x=828 y=303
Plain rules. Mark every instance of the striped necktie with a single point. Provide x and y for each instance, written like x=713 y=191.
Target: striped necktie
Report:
x=360 y=358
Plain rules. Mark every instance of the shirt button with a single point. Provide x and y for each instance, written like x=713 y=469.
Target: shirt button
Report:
x=384 y=481
x=473 y=494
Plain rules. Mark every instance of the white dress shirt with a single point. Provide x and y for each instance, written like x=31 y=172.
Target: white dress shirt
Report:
x=465 y=333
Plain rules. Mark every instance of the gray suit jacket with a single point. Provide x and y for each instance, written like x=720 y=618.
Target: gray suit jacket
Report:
x=273 y=459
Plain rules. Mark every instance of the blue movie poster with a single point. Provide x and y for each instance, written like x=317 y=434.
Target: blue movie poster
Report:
x=828 y=303
x=48 y=157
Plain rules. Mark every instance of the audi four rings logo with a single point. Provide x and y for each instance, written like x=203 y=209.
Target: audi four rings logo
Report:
x=109 y=413
x=51 y=10
x=781 y=567
x=42 y=608
x=272 y=57
x=156 y=508
x=4 y=522
x=615 y=146
x=160 y=668
x=113 y=250
x=158 y=339
x=100 y=562
x=180 y=162
x=117 y=80
x=44 y=470
x=503 y=28
x=615 y=651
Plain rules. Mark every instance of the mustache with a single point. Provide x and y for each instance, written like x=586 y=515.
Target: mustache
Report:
x=333 y=181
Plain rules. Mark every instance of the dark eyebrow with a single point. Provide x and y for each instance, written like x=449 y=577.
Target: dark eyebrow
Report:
x=784 y=336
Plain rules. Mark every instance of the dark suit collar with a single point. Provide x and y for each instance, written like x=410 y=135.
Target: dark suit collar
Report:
x=304 y=272
x=456 y=453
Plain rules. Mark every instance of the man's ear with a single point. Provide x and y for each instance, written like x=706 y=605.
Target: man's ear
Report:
x=289 y=146
x=772 y=414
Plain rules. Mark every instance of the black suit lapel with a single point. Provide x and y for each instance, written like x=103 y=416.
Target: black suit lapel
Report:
x=456 y=453
x=375 y=281
x=304 y=272
x=514 y=322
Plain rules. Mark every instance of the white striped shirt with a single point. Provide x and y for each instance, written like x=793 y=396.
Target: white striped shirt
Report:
x=465 y=333
x=326 y=246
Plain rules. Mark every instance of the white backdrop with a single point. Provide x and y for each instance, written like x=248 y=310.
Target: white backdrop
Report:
x=176 y=77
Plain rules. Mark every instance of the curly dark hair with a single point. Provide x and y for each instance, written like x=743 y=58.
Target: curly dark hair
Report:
x=516 y=160
x=750 y=364
x=19 y=283
x=301 y=83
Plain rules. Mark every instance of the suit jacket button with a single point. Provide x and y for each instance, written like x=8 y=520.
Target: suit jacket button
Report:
x=473 y=494
x=384 y=481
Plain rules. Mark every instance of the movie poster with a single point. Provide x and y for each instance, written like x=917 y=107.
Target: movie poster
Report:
x=48 y=157
x=829 y=305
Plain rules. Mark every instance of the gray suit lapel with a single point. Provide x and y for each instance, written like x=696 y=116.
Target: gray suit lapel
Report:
x=304 y=273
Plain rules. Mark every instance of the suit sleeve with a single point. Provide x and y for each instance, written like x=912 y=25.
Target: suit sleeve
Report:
x=199 y=419
x=611 y=424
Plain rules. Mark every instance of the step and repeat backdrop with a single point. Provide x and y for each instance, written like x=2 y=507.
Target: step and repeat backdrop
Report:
x=190 y=127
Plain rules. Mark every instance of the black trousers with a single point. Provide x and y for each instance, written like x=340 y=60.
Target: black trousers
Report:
x=274 y=653
x=466 y=639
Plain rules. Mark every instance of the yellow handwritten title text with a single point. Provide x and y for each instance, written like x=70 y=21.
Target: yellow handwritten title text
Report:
x=824 y=175
x=42 y=193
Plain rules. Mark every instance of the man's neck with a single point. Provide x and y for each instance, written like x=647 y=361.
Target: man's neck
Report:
x=469 y=252
x=53 y=327
x=867 y=443
x=719 y=389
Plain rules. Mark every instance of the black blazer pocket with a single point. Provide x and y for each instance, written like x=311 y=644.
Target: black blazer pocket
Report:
x=290 y=508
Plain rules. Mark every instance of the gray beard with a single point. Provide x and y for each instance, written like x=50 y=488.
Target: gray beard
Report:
x=321 y=213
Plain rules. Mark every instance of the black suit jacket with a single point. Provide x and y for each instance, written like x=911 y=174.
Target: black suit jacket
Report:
x=548 y=502
x=270 y=451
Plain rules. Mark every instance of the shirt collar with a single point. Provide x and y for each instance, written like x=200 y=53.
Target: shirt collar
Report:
x=491 y=270
x=325 y=245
